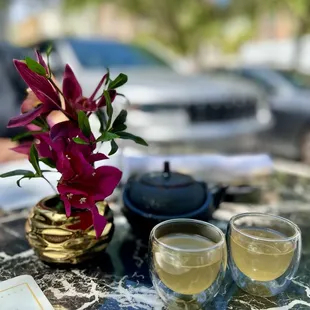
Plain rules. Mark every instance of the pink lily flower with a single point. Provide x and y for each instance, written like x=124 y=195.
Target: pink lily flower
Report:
x=74 y=95
x=88 y=188
x=43 y=98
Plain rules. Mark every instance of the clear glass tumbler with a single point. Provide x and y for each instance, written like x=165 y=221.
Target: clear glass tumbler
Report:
x=188 y=260
x=264 y=252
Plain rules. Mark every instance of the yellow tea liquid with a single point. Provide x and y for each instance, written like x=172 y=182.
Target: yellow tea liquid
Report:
x=187 y=272
x=261 y=260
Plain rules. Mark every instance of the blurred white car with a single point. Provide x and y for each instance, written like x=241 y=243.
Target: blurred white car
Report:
x=166 y=107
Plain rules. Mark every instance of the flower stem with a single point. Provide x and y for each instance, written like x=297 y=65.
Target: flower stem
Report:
x=61 y=93
x=52 y=186
x=56 y=87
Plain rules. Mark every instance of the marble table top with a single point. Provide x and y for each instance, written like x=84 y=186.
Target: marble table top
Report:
x=119 y=279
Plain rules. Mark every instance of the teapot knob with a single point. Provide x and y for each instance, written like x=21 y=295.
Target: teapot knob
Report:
x=166 y=173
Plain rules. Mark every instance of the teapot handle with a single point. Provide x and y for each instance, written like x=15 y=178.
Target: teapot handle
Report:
x=218 y=193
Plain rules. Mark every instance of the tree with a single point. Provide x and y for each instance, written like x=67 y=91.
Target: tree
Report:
x=180 y=24
x=185 y=25
x=4 y=7
x=300 y=9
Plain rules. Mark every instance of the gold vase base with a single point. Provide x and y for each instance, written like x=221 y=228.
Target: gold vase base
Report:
x=58 y=239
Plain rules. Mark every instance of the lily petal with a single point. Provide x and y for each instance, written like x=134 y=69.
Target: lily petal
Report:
x=40 y=60
x=92 y=97
x=39 y=84
x=71 y=88
x=23 y=148
x=67 y=205
x=26 y=118
x=61 y=130
x=106 y=179
x=96 y=157
x=99 y=221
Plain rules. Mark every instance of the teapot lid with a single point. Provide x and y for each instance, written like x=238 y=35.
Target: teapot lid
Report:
x=166 y=178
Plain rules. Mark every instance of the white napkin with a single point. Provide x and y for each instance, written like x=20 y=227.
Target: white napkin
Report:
x=209 y=167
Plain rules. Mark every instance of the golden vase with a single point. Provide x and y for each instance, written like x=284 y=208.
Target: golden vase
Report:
x=58 y=239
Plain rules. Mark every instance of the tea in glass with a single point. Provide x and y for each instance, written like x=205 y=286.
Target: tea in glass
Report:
x=187 y=260
x=264 y=252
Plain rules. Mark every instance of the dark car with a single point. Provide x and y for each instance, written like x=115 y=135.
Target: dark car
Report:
x=12 y=87
x=166 y=107
x=288 y=93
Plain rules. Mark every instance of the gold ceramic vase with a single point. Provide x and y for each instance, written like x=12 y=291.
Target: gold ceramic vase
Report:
x=58 y=239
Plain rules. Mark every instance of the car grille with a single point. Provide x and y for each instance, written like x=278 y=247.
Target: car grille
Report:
x=222 y=111
x=227 y=110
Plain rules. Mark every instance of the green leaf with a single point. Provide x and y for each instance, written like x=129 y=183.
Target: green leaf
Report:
x=114 y=148
x=48 y=162
x=120 y=119
x=108 y=77
x=25 y=134
x=109 y=104
x=24 y=177
x=17 y=172
x=34 y=159
x=119 y=128
x=107 y=136
x=121 y=95
x=60 y=207
x=78 y=140
x=119 y=81
x=84 y=123
x=102 y=119
x=35 y=66
x=41 y=123
x=49 y=50
x=129 y=136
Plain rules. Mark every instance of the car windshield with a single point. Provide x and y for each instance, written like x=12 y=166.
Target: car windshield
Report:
x=297 y=79
x=94 y=54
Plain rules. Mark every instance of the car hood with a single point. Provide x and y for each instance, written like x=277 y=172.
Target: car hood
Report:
x=294 y=99
x=161 y=85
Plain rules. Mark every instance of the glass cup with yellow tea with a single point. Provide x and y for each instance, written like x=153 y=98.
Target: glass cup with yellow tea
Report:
x=264 y=252
x=187 y=261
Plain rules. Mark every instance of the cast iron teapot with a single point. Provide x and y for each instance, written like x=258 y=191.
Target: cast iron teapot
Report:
x=158 y=196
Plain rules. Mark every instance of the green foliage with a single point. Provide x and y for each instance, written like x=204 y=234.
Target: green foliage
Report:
x=78 y=140
x=107 y=136
x=48 y=162
x=109 y=105
x=49 y=50
x=120 y=120
x=114 y=148
x=24 y=173
x=17 y=173
x=35 y=66
x=102 y=119
x=183 y=23
x=34 y=159
x=118 y=82
x=25 y=134
x=186 y=24
x=40 y=123
x=129 y=136
x=84 y=123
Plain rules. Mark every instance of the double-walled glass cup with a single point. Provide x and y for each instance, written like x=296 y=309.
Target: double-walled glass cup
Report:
x=187 y=262
x=264 y=252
